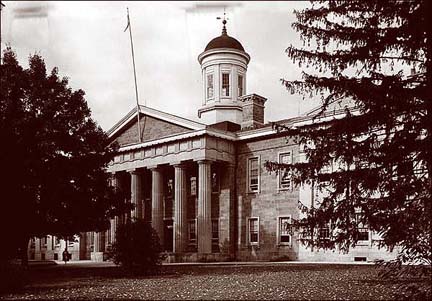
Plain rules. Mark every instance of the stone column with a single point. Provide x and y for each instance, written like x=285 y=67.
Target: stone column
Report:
x=49 y=254
x=38 y=249
x=239 y=222
x=204 y=207
x=180 y=199
x=49 y=243
x=136 y=194
x=157 y=203
x=96 y=238
x=99 y=246
x=83 y=246
x=114 y=221
x=113 y=225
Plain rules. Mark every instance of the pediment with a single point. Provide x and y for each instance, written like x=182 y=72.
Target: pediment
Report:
x=154 y=125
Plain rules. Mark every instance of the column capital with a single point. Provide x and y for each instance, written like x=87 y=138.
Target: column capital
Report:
x=134 y=171
x=154 y=167
x=178 y=164
x=205 y=161
x=230 y=165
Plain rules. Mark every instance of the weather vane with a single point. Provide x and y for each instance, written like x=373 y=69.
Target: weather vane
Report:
x=223 y=22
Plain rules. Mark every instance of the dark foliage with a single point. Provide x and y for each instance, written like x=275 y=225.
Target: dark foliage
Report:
x=53 y=158
x=374 y=163
x=13 y=276
x=137 y=248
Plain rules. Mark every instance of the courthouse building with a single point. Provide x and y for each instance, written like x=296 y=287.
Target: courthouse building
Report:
x=203 y=185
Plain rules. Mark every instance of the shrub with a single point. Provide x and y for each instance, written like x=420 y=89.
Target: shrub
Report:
x=14 y=276
x=413 y=278
x=137 y=248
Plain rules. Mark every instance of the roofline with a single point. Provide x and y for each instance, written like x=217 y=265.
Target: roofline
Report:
x=295 y=122
x=205 y=53
x=209 y=132
x=184 y=122
x=199 y=129
x=240 y=136
x=318 y=108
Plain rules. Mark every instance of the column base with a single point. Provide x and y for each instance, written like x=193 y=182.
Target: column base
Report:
x=98 y=256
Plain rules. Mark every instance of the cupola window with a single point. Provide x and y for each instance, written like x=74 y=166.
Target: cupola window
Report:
x=240 y=85
x=225 y=84
x=210 y=90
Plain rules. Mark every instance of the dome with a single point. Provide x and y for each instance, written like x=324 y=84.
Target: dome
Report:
x=224 y=41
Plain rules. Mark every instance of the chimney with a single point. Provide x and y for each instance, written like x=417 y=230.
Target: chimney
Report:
x=253 y=111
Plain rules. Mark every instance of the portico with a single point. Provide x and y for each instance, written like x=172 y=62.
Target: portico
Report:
x=175 y=184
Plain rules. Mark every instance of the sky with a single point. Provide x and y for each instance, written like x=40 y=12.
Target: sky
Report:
x=87 y=42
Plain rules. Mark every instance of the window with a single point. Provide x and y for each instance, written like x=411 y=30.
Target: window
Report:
x=284 y=175
x=285 y=230
x=192 y=231
x=215 y=230
x=215 y=178
x=240 y=85
x=170 y=187
x=362 y=229
x=324 y=233
x=215 y=235
x=168 y=207
x=360 y=258
x=253 y=224
x=225 y=84
x=193 y=186
x=363 y=234
x=253 y=174
x=210 y=90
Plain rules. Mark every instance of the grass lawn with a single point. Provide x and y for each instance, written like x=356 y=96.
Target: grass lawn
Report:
x=266 y=281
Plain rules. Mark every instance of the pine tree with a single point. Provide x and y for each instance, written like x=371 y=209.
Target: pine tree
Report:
x=377 y=55
x=53 y=158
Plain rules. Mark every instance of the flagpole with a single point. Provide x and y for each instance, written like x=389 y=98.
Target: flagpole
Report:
x=1 y=8
x=135 y=78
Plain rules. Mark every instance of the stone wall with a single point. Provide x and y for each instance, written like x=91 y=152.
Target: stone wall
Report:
x=151 y=129
x=359 y=253
x=268 y=204
x=253 y=111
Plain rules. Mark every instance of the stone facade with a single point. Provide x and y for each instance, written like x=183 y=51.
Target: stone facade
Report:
x=253 y=111
x=51 y=248
x=268 y=203
x=151 y=129
x=204 y=187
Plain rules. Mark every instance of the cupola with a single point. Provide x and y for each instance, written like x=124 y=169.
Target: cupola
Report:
x=224 y=64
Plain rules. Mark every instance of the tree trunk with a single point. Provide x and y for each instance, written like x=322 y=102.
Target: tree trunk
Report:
x=23 y=251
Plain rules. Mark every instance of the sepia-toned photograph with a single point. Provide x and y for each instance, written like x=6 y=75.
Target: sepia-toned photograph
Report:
x=216 y=150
